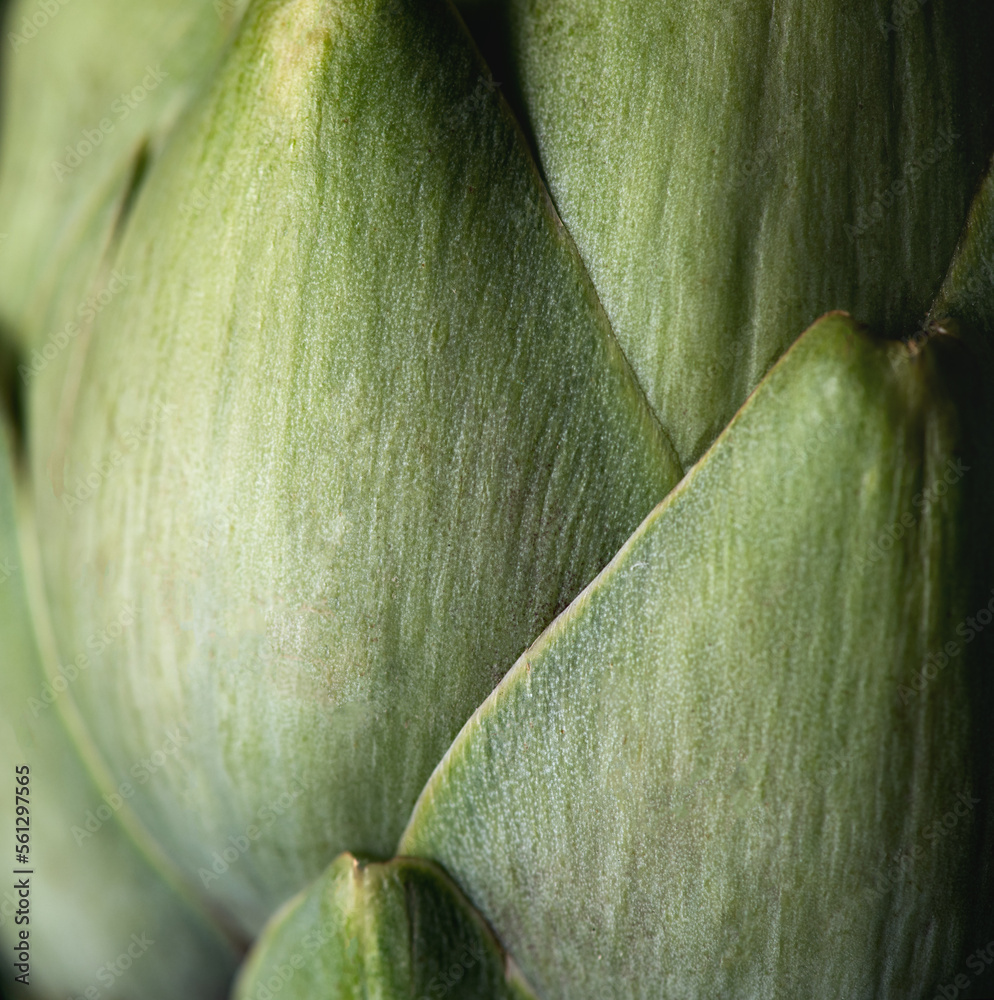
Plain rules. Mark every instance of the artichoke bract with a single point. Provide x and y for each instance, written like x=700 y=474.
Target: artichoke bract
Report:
x=967 y=293
x=354 y=432
x=332 y=428
x=101 y=907
x=399 y=929
x=731 y=173
x=750 y=759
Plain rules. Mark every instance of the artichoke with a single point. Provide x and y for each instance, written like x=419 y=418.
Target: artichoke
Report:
x=495 y=502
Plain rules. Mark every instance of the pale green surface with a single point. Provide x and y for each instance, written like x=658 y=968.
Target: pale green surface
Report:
x=388 y=435
x=707 y=159
x=78 y=70
x=687 y=786
x=89 y=893
x=379 y=932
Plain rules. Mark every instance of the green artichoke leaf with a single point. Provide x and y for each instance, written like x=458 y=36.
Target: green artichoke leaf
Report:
x=749 y=760
x=88 y=92
x=967 y=294
x=379 y=930
x=99 y=912
x=965 y=304
x=731 y=173
x=356 y=430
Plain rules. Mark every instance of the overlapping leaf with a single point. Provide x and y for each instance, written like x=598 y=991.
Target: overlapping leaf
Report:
x=731 y=173
x=750 y=759
x=399 y=929
x=355 y=430
x=967 y=293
